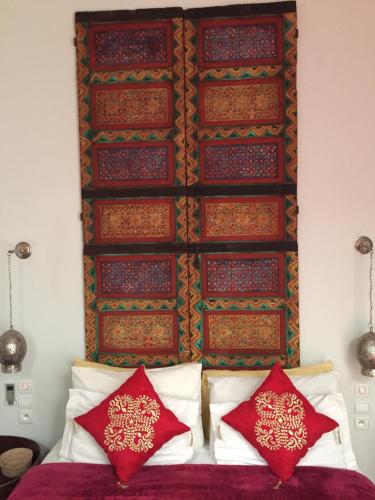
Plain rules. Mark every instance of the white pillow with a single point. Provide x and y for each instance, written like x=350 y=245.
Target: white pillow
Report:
x=237 y=389
x=333 y=449
x=179 y=381
x=79 y=446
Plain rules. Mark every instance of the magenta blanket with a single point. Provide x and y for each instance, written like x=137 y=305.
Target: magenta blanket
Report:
x=75 y=481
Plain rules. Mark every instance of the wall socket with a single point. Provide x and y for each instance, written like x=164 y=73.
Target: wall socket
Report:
x=361 y=423
x=25 y=416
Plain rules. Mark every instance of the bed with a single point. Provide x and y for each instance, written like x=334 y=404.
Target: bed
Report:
x=226 y=467
x=190 y=482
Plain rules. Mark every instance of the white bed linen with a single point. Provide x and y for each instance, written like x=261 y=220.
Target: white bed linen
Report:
x=200 y=456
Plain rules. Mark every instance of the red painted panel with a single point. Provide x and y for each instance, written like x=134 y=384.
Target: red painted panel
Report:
x=122 y=106
x=131 y=164
x=130 y=45
x=242 y=161
x=244 y=332
x=243 y=275
x=140 y=332
x=243 y=102
x=134 y=220
x=240 y=42
x=136 y=276
x=255 y=218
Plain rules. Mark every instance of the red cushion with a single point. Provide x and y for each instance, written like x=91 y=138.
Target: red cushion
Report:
x=279 y=422
x=131 y=424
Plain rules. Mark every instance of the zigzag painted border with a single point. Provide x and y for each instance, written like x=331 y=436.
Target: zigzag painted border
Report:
x=83 y=103
x=135 y=304
x=133 y=135
x=290 y=62
x=131 y=76
x=233 y=133
x=291 y=217
x=191 y=94
x=183 y=308
x=193 y=220
x=293 y=347
x=179 y=103
x=181 y=222
x=90 y=308
x=235 y=73
x=195 y=294
x=87 y=222
x=133 y=360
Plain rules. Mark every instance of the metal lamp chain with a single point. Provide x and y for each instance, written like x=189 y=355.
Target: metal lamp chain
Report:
x=371 y=290
x=10 y=252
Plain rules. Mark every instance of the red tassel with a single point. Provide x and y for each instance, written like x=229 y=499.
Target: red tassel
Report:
x=277 y=485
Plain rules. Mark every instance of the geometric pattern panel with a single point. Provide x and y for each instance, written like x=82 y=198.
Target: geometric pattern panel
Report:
x=244 y=332
x=138 y=331
x=241 y=102
x=243 y=275
x=134 y=220
x=136 y=276
x=235 y=219
x=132 y=105
x=240 y=161
x=126 y=46
x=133 y=164
x=240 y=42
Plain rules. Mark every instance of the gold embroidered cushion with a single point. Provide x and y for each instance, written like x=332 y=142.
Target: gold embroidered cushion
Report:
x=279 y=422
x=131 y=424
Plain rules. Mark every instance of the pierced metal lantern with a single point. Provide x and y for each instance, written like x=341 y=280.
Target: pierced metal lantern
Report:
x=366 y=344
x=366 y=353
x=13 y=345
x=13 y=350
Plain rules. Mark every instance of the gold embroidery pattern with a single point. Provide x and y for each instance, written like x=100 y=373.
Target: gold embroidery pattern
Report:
x=242 y=219
x=131 y=423
x=281 y=421
x=241 y=102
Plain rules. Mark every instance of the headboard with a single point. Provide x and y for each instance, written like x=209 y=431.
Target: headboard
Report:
x=188 y=172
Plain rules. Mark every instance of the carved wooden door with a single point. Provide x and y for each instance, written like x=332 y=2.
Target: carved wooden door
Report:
x=188 y=168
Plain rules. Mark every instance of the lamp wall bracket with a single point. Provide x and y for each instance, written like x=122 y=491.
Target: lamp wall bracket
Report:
x=364 y=245
x=22 y=250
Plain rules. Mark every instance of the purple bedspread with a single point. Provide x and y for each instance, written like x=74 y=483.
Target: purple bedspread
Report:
x=75 y=481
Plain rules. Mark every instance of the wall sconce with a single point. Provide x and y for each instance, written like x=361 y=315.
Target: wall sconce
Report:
x=366 y=344
x=13 y=345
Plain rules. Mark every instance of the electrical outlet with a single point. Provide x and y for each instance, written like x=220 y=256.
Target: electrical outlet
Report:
x=25 y=416
x=361 y=424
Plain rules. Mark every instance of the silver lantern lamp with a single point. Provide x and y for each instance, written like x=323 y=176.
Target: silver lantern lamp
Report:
x=366 y=344
x=13 y=345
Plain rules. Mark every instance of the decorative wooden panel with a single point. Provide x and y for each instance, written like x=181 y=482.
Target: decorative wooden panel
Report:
x=188 y=172
x=241 y=173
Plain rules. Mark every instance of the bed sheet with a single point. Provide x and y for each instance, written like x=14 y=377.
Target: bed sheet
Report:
x=200 y=456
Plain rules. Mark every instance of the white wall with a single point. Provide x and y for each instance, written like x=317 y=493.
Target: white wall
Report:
x=40 y=192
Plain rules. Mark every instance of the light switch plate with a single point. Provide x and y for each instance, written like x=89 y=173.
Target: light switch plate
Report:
x=25 y=387
x=361 y=390
x=25 y=403
x=361 y=408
